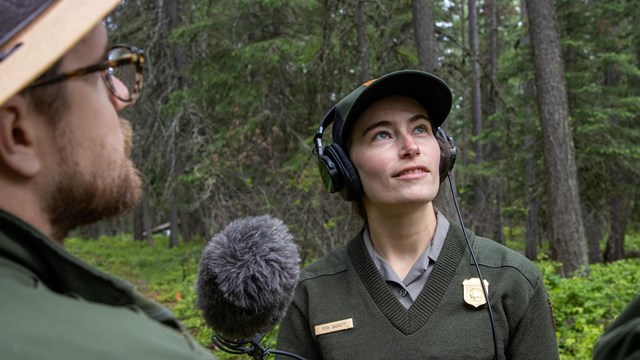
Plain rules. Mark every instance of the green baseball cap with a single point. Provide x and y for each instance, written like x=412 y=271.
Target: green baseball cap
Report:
x=429 y=90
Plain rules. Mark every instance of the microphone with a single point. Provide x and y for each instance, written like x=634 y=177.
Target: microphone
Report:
x=245 y=281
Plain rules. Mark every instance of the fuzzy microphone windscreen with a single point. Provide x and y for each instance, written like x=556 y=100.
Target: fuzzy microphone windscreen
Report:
x=247 y=275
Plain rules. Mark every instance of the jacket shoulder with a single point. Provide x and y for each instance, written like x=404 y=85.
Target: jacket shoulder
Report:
x=73 y=327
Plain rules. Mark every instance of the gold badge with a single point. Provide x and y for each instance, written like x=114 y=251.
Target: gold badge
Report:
x=473 y=294
x=334 y=326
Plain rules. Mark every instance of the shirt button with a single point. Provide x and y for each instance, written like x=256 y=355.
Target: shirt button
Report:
x=403 y=292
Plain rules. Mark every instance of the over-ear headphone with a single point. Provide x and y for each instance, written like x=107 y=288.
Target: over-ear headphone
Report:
x=448 y=152
x=340 y=175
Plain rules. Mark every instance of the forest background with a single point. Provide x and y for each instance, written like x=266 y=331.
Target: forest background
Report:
x=545 y=118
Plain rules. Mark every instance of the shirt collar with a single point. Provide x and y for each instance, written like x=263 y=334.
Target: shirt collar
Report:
x=430 y=254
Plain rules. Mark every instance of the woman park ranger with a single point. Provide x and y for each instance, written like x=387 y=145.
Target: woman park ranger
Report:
x=407 y=286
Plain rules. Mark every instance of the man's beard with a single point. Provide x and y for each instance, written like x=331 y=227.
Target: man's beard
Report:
x=109 y=188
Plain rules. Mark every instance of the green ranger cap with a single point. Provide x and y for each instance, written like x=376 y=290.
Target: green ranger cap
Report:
x=429 y=90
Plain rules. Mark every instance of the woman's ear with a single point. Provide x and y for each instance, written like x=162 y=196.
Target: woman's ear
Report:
x=18 y=129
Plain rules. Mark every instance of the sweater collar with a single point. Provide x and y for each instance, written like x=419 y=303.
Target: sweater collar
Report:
x=411 y=320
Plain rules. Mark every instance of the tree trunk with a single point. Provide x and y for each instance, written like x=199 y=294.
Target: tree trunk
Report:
x=138 y=223
x=495 y=182
x=363 y=42
x=531 y=203
x=594 y=227
x=462 y=152
x=620 y=203
x=91 y=231
x=476 y=118
x=141 y=225
x=620 y=200
x=567 y=229
x=174 y=233
x=179 y=65
x=425 y=34
x=172 y=182
x=476 y=96
x=493 y=57
x=146 y=222
x=180 y=62
x=140 y=215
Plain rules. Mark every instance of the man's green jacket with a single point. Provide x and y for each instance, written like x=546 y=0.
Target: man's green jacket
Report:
x=54 y=306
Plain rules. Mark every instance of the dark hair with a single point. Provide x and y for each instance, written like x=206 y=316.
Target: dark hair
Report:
x=48 y=100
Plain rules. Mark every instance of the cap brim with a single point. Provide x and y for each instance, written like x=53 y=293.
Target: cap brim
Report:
x=43 y=42
x=429 y=90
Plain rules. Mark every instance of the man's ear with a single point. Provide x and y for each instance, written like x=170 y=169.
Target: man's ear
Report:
x=18 y=128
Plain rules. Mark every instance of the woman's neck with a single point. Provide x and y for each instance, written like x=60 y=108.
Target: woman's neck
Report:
x=400 y=238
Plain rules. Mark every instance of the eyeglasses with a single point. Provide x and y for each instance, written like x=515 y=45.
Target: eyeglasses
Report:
x=123 y=73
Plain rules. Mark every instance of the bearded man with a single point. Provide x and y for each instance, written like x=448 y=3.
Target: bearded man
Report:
x=64 y=162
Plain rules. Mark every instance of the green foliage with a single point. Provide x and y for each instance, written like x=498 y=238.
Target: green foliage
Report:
x=583 y=306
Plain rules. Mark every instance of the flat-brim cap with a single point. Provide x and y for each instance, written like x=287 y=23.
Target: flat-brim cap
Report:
x=34 y=34
x=429 y=90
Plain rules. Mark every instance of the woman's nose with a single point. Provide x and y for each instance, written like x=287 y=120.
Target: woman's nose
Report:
x=409 y=147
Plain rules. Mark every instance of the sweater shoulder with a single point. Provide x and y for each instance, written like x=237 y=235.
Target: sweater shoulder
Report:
x=330 y=264
x=492 y=254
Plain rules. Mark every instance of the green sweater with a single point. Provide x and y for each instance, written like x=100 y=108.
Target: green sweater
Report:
x=54 y=306
x=439 y=325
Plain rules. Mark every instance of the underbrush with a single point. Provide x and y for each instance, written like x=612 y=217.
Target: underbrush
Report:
x=582 y=306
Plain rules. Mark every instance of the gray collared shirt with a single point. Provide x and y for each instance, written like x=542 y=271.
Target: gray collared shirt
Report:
x=407 y=290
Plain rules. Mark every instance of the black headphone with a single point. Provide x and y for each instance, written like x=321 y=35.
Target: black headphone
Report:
x=340 y=175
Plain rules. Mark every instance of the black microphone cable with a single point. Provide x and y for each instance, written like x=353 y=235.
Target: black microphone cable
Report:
x=475 y=262
x=251 y=347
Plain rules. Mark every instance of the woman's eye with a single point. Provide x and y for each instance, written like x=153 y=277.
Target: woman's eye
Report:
x=381 y=135
x=422 y=129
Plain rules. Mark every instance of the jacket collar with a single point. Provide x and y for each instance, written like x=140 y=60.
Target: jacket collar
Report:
x=48 y=262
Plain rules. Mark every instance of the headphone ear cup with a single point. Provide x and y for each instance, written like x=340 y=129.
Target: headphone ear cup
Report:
x=346 y=180
x=447 y=153
x=331 y=178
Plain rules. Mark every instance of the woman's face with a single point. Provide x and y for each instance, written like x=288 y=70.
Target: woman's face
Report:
x=396 y=153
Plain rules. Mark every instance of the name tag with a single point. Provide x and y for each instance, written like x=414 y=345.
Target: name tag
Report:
x=334 y=326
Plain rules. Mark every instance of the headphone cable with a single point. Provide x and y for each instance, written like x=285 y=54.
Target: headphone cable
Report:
x=475 y=262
